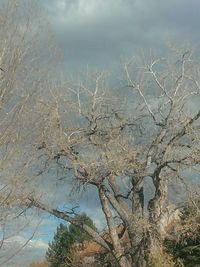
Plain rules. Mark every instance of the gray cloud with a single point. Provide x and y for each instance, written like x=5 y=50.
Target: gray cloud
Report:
x=99 y=32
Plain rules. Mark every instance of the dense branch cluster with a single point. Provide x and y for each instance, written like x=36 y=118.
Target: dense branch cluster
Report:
x=122 y=145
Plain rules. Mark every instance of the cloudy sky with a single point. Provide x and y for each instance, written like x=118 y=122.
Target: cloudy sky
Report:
x=98 y=34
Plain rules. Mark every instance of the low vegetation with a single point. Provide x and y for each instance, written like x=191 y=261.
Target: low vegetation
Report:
x=61 y=250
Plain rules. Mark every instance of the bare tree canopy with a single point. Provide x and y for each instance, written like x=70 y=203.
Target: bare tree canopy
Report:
x=143 y=134
x=23 y=75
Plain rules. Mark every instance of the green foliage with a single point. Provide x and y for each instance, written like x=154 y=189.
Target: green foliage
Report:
x=59 y=251
x=79 y=236
x=187 y=245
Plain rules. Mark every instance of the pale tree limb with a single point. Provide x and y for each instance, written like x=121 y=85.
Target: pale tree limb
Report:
x=64 y=216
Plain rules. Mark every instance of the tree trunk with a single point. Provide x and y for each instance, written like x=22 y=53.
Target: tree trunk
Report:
x=154 y=238
x=138 y=197
x=118 y=249
x=135 y=226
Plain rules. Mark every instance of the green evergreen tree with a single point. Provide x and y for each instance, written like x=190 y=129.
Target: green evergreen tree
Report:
x=58 y=253
x=78 y=235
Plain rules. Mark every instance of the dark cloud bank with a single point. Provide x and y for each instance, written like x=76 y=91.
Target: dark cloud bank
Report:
x=98 y=32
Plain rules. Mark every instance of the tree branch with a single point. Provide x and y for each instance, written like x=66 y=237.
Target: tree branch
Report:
x=64 y=216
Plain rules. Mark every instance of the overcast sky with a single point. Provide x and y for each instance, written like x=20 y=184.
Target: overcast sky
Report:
x=98 y=34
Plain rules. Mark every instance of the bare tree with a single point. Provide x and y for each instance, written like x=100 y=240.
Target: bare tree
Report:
x=22 y=78
x=144 y=134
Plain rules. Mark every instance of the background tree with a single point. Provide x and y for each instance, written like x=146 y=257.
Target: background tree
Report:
x=24 y=77
x=59 y=251
x=78 y=235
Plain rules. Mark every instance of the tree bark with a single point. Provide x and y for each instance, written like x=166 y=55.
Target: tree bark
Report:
x=154 y=239
x=122 y=259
